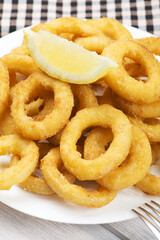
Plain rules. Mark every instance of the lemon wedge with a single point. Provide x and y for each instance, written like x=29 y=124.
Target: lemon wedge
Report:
x=66 y=60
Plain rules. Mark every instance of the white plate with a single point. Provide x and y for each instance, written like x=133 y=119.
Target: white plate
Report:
x=56 y=209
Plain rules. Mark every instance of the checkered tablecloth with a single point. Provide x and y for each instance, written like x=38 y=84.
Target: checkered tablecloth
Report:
x=16 y=14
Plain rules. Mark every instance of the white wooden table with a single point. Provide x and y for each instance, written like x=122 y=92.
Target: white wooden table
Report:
x=15 y=225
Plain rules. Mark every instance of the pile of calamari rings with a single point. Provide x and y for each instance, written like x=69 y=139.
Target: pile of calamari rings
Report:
x=107 y=132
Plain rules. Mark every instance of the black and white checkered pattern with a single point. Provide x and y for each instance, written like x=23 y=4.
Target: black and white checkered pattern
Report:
x=16 y=14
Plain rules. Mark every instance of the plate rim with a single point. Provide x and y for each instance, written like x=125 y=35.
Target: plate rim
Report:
x=11 y=35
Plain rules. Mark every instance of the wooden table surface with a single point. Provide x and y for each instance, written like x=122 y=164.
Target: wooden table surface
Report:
x=15 y=225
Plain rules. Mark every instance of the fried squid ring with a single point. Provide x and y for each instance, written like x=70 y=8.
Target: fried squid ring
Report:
x=67 y=35
x=27 y=150
x=94 y=43
x=20 y=63
x=86 y=98
x=104 y=116
x=126 y=86
x=150 y=184
x=85 y=95
x=151 y=110
x=33 y=183
x=134 y=168
x=99 y=138
x=151 y=130
x=71 y=192
x=19 y=66
x=77 y=30
x=4 y=87
x=96 y=142
x=58 y=114
x=114 y=30
x=22 y=50
x=111 y=28
x=152 y=43
x=36 y=184
x=73 y=25
x=7 y=124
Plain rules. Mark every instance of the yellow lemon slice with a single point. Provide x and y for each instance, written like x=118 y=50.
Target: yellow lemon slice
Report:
x=66 y=60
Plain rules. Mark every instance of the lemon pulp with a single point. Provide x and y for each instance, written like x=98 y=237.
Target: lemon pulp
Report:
x=66 y=60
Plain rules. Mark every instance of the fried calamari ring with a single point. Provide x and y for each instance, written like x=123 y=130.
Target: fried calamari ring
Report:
x=33 y=183
x=73 y=25
x=94 y=43
x=67 y=35
x=71 y=192
x=27 y=150
x=126 y=86
x=86 y=98
x=96 y=142
x=85 y=95
x=22 y=50
x=150 y=184
x=77 y=30
x=4 y=87
x=134 y=69
x=152 y=43
x=134 y=168
x=20 y=63
x=36 y=184
x=114 y=30
x=58 y=114
x=111 y=28
x=99 y=138
x=7 y=124
x=144 y=110
x=151 y=130
x=104 y=116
